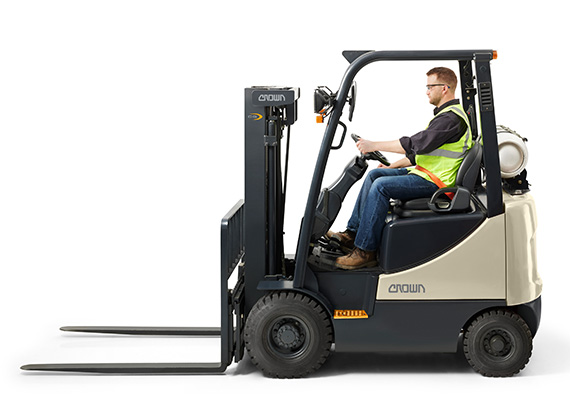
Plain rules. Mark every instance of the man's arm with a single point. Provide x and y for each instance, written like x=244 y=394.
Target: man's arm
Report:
x=402 y=163
x=367 y=146
x=444 y=128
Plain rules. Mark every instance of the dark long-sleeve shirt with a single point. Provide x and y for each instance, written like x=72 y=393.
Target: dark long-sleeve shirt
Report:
x=446 y=127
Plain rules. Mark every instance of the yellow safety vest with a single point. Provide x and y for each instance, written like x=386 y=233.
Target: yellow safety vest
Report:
x=444 y=161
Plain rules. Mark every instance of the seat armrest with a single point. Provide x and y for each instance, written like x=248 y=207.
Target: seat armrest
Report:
x=461 y=200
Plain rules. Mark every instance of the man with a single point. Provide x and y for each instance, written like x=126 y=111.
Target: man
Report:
x=437 y=151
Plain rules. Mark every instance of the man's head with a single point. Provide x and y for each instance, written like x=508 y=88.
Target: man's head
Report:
x=441 y=84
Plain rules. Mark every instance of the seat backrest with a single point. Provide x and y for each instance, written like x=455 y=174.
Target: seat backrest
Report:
x=469 y=170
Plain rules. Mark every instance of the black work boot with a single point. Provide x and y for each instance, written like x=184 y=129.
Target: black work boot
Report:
x=345 y=239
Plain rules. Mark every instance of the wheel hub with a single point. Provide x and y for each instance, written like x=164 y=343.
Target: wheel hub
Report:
x=497 y=343
x=288 y=335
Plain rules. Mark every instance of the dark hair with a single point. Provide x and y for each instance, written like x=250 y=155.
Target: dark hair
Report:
x=444 y=75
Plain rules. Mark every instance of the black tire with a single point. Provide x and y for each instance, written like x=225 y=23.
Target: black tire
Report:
x=288 y=335
x=498 y=343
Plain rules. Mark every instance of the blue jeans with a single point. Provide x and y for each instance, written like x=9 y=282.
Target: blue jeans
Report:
x=371 y=208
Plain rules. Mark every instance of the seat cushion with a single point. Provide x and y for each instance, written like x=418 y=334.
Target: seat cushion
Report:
x=416 y=207
x=415 y=204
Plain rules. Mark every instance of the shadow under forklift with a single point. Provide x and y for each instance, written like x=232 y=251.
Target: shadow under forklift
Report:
x=474 y=277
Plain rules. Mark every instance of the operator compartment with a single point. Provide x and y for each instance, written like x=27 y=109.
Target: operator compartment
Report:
x=420 y=230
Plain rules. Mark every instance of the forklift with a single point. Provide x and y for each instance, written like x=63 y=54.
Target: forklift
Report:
x=473 y=285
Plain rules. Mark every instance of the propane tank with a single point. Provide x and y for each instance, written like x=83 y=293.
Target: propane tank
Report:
x=513 y=157
x=513 y=153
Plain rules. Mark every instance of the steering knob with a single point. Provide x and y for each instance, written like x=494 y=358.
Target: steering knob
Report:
x=372 y=155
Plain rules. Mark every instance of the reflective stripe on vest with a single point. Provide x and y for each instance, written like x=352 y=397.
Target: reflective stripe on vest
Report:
x=444 y=161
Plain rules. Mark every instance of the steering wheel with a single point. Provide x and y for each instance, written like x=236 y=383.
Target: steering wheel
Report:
x=372 y=155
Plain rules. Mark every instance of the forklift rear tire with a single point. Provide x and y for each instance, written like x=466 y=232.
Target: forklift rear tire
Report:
x=498 y=343
x=288 y=335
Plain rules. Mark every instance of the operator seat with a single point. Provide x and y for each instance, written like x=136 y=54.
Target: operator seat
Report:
x=439 y=202
x=437 y=223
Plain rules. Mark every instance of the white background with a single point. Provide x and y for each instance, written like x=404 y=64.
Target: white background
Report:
x=121 y=130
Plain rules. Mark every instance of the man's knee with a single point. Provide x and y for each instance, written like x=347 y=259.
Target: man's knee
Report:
x=382 y=185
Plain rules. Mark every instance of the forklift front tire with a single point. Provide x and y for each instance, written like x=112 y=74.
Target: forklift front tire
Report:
x=498 y=343
x=288 y=335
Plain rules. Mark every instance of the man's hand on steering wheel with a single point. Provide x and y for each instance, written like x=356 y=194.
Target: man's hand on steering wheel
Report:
x=365 y=146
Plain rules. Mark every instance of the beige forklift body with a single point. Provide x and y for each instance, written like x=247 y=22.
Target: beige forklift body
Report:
x=523 y=281
x=497 y=261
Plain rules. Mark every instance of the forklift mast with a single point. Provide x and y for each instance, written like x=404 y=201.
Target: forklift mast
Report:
x=268 y=112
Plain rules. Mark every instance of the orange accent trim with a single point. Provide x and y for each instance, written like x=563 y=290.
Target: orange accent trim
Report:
x=350 y=314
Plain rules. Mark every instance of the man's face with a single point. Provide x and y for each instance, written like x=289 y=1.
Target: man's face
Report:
x=435 y=93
